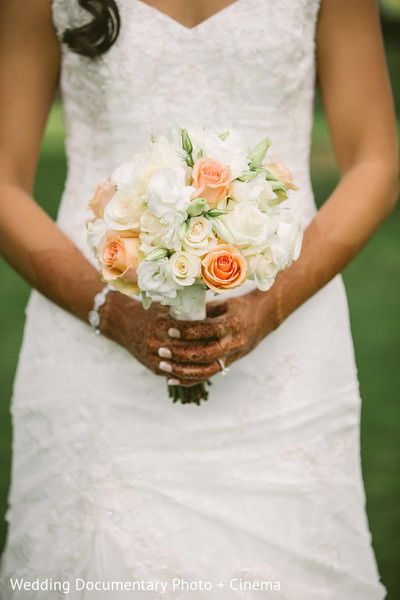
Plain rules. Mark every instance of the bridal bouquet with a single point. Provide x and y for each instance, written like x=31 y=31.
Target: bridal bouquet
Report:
x=195 y=211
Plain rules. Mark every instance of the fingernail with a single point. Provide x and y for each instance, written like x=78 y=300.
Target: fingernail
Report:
x=164 y=366
x=164 y=353
x=175 y=333
x=173 y=382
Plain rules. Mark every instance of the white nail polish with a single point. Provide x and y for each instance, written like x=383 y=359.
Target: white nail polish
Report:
x=164 y=353
x=164 y=366
x=173 y=382
x=175 y=333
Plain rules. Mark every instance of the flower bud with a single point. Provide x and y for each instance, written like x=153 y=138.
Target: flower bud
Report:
x=186 y=142
x=157 y=254
x=146 y=300
x=196 y=207
x=216 y=212
x=183 y=227
x=221 y=230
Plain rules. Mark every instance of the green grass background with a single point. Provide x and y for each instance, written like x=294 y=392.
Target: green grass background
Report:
x=373 y=286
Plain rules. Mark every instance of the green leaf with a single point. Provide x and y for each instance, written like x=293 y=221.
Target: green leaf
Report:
x=223 y=136
x=278 y=185
x=256 y=156
x=248 y=176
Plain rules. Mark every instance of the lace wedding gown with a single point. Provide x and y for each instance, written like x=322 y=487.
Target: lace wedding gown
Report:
x=110 y=480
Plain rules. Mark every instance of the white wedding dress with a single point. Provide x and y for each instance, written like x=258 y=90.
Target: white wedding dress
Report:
x=262 y=483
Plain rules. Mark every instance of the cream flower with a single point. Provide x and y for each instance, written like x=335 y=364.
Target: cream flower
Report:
x=262 y=269
x=250 y=228
x=95 y=231
x=154 y=234
x=154 y=277
x=199 y=238
x=168 y=197
x=185 y=267
x=124 y=211
x=258 y=191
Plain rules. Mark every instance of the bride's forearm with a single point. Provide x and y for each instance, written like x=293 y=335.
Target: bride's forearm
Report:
x=46 y=258
x=362 y=200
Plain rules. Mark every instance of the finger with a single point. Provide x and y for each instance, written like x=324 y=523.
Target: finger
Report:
x=227 y=360
x=189 y=371
x=208 y=329
x=216 y=308
x=201 y=351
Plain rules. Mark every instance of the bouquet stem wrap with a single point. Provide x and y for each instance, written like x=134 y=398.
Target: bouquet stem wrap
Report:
x=197 y=392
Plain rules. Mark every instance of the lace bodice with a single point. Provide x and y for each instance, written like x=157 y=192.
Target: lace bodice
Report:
x=249 y=66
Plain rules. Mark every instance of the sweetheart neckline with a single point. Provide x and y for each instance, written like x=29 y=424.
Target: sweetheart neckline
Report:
x=204 y=22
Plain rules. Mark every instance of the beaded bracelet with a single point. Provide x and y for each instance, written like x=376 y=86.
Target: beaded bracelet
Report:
x=99 y=301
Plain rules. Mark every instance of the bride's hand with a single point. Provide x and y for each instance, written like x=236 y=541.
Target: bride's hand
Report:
x=232 y=329
x=141 y=332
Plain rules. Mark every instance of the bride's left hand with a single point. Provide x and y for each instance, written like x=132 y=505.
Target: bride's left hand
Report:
x=232 y=329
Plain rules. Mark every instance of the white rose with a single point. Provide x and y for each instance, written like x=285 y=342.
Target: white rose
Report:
x=262 y=269
x=257 y=191
x=124 y=211
x=199 y=238
x=290 y=234
x=154 y=277
x=168 y=197
x=125 y=175
x=250 y=228
x=129 y=177
x=161 y=153
x=95 y=231
x=185 y=267
x=154 y=234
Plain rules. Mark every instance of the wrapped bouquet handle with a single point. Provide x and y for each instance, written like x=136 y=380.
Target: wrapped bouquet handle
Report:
x=197 y=392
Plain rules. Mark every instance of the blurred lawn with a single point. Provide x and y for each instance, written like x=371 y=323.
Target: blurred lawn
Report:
x=373 y=285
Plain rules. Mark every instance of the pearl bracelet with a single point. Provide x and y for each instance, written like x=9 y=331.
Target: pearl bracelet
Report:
x=99 y=301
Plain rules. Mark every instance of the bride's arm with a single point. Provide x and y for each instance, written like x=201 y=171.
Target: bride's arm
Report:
x=29 y=240
x=358 y=105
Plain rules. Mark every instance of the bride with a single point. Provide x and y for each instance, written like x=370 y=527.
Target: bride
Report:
x=261 y=485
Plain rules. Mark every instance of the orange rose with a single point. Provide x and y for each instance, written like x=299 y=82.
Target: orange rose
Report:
x=224 y=268
x=102 y=196
x=211 y=179
x=118 y=256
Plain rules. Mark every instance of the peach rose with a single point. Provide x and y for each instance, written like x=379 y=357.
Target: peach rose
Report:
x=118 y=256
x=211 y=179
x=282 y=173
x=224 y=268
x=102 y=196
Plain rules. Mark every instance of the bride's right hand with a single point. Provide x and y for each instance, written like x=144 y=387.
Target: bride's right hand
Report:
x=141 y=332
